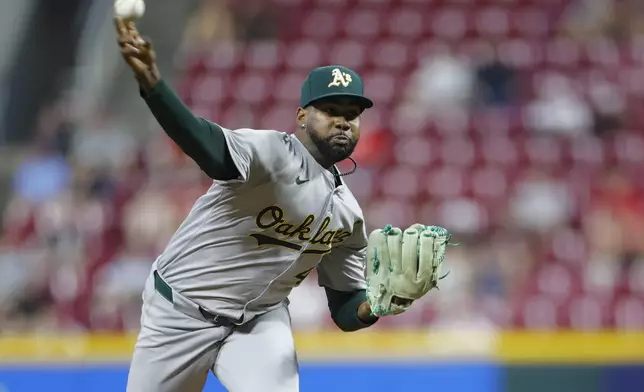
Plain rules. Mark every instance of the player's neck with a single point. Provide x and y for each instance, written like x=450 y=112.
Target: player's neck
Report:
x=313 y=150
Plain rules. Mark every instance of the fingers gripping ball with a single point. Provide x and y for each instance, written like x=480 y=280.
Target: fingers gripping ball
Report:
x=129 y=10
x=403 y=266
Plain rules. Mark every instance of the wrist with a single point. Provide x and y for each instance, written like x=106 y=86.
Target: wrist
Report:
x=365 y=315
x=149 y=79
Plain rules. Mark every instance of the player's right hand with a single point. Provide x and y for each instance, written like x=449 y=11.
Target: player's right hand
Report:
x=138 y=54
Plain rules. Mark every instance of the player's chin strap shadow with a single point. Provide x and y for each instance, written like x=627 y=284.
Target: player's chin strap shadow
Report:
x=355 y=167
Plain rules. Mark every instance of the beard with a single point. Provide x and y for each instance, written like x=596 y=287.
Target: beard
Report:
x=331 y=151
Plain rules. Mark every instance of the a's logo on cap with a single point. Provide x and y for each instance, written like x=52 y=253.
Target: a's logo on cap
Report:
x=340 y=78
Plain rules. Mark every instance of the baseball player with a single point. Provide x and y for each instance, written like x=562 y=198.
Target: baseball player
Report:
x=216 y=298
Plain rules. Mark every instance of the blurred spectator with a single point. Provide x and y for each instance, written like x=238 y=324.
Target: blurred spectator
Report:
x=540 y=203
x=442 y=84
x=118 y=285
x=104 y=146
x=586 y=20
x=558 y=108
x=459 y=306
x=57 y=126
x=615 y=218
x=211 y=23
x=496 y=83
x=42 y=175
x=256 y=20
x=463 y=215
x=25 y=303
x=609 y=106
x=589 y=20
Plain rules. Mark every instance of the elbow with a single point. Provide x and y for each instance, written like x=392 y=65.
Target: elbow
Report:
x=346 y=328
x=343 y=324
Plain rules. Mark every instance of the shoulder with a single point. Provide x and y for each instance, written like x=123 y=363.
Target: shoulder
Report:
x=259 y=141
x=259 y=134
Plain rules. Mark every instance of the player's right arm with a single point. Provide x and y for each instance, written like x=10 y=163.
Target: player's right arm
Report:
x=203 y=141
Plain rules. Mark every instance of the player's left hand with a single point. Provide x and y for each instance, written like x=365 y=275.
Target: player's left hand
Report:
x=403 y=266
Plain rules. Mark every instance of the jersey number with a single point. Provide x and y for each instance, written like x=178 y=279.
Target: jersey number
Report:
x=301 y=276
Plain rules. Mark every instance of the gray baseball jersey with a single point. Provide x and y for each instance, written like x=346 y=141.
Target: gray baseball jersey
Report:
x=247 y=242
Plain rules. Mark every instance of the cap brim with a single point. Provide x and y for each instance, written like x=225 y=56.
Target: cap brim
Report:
x=363 y=101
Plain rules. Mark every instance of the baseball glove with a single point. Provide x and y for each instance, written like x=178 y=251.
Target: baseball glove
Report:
x=403 y=266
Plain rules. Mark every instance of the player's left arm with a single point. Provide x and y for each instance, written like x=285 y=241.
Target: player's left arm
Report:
x=342 y=274
x=349 y=309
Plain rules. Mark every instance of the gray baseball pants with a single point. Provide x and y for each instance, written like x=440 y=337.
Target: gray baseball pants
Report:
x=176 y=349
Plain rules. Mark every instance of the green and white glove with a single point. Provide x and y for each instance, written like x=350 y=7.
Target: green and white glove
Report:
x=403 y=266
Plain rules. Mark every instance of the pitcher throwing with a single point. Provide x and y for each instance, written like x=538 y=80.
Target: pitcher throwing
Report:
x=216 y=298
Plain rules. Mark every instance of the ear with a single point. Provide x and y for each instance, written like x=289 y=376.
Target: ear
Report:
x=300 y=117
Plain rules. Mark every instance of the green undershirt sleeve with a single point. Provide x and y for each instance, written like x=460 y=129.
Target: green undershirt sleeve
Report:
x=201 y=140
x=344 y=309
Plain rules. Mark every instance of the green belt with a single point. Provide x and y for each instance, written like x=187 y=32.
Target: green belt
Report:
x=162 y=287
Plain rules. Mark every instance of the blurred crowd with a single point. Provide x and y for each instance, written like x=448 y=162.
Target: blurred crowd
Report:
x=516 y=124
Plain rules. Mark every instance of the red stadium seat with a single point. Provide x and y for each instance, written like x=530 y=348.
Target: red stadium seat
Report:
x=380 y=87
x=290 y=2
x=264 y=55
x=602 y=51
x=304 y=55
x=392 y=56
x=405 y=23
x=362 y=24
x=415 y=151
x=383 y=211
x=586 y=151
x=462 y=215
x=334 y=4
x=636 y=51
x=350 y=53
x=629 y=313
x=585 y=313
x=489 y=182
x=458 y=151
x=499 y=151
x=563 y=52
x=555 y=281
x=445 y=182
x=539 y=313
x=569 y=246
x=209 y=89
x=530 y=22
x=492 y=22
x=629 y=149
x=636 y=278
x=543 y=151
x=449 y=23
x=400 y=182
x=280 y=117
x=517 y=52
x=320 y=24
x=225 y=56
x=253 y=88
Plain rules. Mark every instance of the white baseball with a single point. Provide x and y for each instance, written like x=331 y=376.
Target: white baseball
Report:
x=129 y=9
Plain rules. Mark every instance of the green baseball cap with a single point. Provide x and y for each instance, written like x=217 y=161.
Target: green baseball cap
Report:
x=333 y=81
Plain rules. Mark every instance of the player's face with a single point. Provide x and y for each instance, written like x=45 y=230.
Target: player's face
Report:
x=334 y=127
